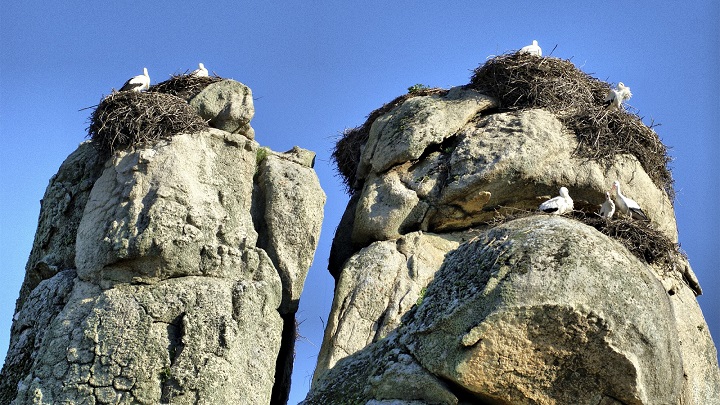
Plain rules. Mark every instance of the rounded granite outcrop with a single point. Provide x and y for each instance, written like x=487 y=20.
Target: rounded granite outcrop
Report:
x=439 y=299
x=529 y=312
x=175 y=278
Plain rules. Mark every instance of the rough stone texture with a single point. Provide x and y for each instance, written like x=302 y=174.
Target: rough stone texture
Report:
x=227 y=105
x=289 y=191
x=60 y=214
x=539 y=310
x=168 y=295
x=520 y=314
x=504 y=161
x=386 y=209
x=702 y=378
x=53 y=253
x=377 y=286
x=181 y=210
x=407 y=131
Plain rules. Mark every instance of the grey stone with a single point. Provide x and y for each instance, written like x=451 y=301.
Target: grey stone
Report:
x=499 y=164
x=386 y=209
x=173 y=299
x=376 y=287
x=290 y=220
x=521 y=158
x=532 y=312
x=404 y=133
x=227 y=105
x=60 y=213
x=179 y=209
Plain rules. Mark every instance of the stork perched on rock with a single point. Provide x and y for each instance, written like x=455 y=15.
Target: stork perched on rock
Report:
x=558 y=205
x=137 y=83
x=617 y=96
x=533 y=49
x=200 y=71
x=627 y=205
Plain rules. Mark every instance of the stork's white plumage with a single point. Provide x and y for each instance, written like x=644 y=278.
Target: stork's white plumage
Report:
x=627 y=205
x=607 y=209
x=558 y=205
x=617 y=96
x=533 y=49
x=200 y=71
x=137 y=83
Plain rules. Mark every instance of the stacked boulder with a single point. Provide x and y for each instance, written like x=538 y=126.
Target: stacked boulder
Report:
x=169 y=272
x=451 y=288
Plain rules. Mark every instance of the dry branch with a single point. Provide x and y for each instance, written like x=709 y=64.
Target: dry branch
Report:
x=130 y=118
x=184 y=86
x=521 y=81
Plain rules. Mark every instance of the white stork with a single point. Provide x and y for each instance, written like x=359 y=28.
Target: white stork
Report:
x=627 y=205
x=200 y=71
x=607 y=209
x=137 y=83
x=533 y=49
x=617 y=96
x=558 y=205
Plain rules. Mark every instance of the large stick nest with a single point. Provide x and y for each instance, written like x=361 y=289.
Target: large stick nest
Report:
x=640 y=238
x=346 y=153
x=184 y=86
x=130 y=118
x=520 y=81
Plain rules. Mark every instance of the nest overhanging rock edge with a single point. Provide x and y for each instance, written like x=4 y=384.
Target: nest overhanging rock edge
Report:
x=521 y=81
x=184 y=86
x=129 y=118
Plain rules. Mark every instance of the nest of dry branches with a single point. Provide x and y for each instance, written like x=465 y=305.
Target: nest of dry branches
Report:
x=130 y=118
x=346 y=153
x=640 y=238
x=520 y=81
x=184 y=86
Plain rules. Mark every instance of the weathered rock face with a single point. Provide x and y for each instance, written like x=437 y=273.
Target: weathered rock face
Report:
x=175 y=277
x=227 y=105
x=498 y=162
x=434 y=304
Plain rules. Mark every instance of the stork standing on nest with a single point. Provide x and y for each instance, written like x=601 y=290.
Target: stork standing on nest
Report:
x=137 y=83
x=617 y=96
x=607 y=209
x=627 y=205
x=200 y=71
x=558 y=205
x=533 y=49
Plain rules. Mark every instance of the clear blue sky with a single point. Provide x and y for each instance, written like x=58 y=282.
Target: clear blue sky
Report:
x=319 y=67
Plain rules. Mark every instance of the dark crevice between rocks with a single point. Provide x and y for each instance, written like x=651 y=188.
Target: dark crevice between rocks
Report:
x=466 y=397
x=286 y=354
x=257 y=212
x=342 y=246
x=169 y=385
x=284 y=364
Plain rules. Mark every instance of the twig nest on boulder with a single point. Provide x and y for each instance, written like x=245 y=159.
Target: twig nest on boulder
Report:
x=520 y=81
x=127 y=119
x=185 y=86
